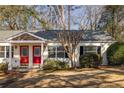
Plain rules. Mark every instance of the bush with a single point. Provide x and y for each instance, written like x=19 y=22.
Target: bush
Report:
x=89 y=60
x=63 y=65
x=54 y=65
x=3 y=67
x=115 y=54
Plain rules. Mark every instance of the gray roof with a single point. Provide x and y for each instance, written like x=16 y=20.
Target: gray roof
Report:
x=87 y=36
x=96 y=36
x=4 y=35
x=51 y=35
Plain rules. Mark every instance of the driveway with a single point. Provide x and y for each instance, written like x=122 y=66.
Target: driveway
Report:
x=80 y=78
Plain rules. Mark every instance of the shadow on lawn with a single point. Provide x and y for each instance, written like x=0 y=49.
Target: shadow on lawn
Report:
x=76 y=81
x=9 y=78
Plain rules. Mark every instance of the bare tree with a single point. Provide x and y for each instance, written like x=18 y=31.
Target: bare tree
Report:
x=93 y=16
x=68 y=39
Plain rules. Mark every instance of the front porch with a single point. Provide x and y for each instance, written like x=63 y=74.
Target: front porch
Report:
x=27 y=55
x=25 y=50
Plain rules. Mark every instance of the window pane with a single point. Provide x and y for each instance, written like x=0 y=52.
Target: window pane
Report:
x=24 y=52
x=1 y=48
x=7 y=48
x=66 y=55
x=81 y=50
x=7 y=52
x=60 y=48
x=90 y=48
x=51 y=54
x=51 y=48
x=37 y=51
x=51 y=51
x=2 y=54
x=60 y=54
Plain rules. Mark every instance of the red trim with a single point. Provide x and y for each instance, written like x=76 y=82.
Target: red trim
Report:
x=24 y=60
x=36 y=59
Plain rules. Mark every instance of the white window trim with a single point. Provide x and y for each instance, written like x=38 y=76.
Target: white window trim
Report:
x=5 y=49
x=86 y=51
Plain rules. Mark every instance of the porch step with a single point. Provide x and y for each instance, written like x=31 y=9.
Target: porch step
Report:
x=23 y=69
x=36 y=66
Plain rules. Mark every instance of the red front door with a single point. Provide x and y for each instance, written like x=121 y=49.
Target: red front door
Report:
x=36 y=55
x=24 y=55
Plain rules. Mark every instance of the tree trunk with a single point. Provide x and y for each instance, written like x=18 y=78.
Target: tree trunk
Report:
x=69 y=17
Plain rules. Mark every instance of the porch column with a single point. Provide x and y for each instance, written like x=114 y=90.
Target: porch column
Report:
x=10 y=57
x=5 y=52
x=41 y=55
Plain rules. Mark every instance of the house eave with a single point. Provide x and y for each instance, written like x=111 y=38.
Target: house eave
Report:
x=27 y=41
x=21 y=33
x=98 y=41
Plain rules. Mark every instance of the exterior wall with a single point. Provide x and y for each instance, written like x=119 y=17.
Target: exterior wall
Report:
x=45 y=52
x=104 y=47
x=16 y=57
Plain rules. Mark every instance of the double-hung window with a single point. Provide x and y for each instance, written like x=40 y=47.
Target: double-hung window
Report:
x=52 y=51
x=4 y=52
x=56 y=52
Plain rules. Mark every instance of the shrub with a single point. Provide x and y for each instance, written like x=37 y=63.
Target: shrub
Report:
x=115 y=54
x=3 y=67
x=63 y=65
x=89 y=60
x=54 y=65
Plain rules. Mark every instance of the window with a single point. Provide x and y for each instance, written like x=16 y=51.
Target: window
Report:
x=60 y=52
x=7 y=51
x=51 y=51
x=81 y=50
x=90 y=49
x=56 y=52
x=4 y=51
x=24 y=51
x=37 y=51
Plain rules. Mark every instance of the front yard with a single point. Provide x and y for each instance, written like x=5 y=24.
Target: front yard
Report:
x=82 y=78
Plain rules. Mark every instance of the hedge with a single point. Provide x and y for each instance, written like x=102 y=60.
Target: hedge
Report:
x=115 y=54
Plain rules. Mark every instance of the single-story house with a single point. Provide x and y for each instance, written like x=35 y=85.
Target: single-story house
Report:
x=31 y=48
